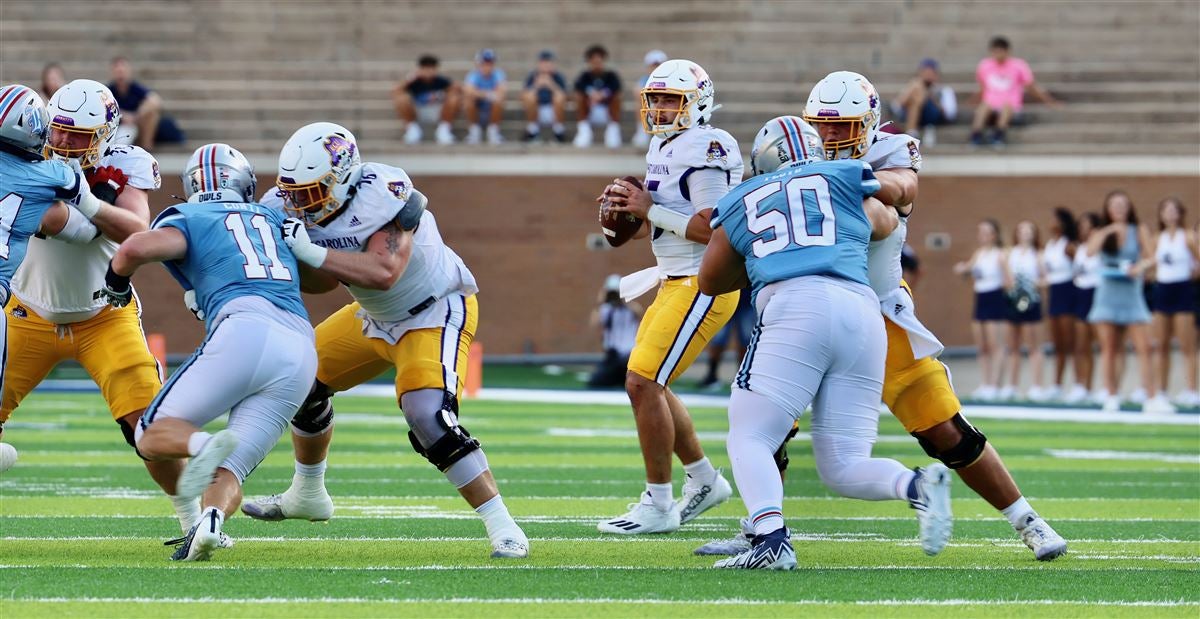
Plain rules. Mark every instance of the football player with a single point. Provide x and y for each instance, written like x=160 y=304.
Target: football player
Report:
x=844 y=108
x=676 y=204
x=414 y=309
x=31 y=190
x=798 y=233
x=258 y=350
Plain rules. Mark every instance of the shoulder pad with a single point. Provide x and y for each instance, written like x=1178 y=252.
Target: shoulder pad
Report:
x=895 y=150
x=414 y=208
x=708 y=147
x=139 y=165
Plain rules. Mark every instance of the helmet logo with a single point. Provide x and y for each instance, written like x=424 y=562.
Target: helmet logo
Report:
x=110 y=108
x=700 y=75
x=33 y=122
x=341 y=153
x=64 y=120
x=872 y=96
x=828 y=112
x=716 y=151
x=398 y=189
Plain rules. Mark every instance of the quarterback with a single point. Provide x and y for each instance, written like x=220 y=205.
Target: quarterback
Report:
x=690 y=165
x=414 y=309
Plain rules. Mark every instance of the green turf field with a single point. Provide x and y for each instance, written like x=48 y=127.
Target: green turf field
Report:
x=81 y=527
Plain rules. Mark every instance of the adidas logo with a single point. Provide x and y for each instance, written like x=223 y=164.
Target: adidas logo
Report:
x=895 y=311
x=354 y=221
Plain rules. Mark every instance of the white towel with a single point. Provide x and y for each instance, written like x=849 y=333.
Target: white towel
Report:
x=898 y=307
x=637 y=284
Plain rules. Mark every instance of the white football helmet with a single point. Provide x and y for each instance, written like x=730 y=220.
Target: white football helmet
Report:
x=221 y=171
x=83 y=108
x=696 y=102
x=845 y=97
x=318 y=166
x=785 y=141
x=24 y=123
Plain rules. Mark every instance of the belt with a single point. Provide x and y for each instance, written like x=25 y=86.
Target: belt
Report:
x=672 y=278
x=422 y=306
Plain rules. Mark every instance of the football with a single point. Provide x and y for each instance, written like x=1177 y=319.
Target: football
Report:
x=619 y=227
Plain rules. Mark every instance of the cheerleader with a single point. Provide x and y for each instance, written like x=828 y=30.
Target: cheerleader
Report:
x=991 y=305
x=1175 y=263
x=1058 y=265
x=1023 y=280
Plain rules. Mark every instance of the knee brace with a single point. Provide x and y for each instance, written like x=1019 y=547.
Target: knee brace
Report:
x=316 y=414
x=130 y=436
x=781 y=456
x=453 y=443
x=965 y=453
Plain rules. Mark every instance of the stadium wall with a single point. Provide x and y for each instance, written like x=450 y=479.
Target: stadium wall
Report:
x=526 y=239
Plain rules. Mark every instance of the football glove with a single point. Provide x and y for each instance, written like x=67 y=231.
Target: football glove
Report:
x=117 y=291
x=107 y=183
x=295 y=236
x=189 y=299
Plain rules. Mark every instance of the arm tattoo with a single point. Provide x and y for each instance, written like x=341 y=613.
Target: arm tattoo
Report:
x=393 y=239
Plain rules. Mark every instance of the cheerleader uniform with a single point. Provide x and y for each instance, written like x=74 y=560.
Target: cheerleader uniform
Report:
x=1026 y=301
x=1060 y=275
x=1175 y=291
x=990 y=302
x=1119 y=297
x=1087 y=276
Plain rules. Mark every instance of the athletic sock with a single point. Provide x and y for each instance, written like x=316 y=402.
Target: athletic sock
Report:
x=661 y=495
x=187 y=510
x=497 y=520
x=767 y=519
x=197 y=441
x=310 y=470
x=906 y=487
x=700 y=471
x=1019 y=513
x=309 y=478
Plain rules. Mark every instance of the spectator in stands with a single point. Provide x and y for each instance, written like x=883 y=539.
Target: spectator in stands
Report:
x=545 y=98
x=991 y=306
x=1003 y=80
x=926 y=103
x=53 y=78
x=485 y=88
x=598 y=96
x=1119 y=308
x=652 y=59
x=1059 y=266
x=427 y=96
x=142 y=116
x=618 y=322
x=1024 y=277
x=1087 y=276
x=1177 y=264
x=740 y=324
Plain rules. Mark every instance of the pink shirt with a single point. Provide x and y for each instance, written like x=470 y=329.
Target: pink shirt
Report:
x=1004 y=84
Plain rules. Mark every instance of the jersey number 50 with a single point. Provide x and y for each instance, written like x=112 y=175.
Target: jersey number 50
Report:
x=805 y=220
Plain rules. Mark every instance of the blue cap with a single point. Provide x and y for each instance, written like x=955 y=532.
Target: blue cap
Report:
x=928 y=63
x=486 y=54
x=546 y=54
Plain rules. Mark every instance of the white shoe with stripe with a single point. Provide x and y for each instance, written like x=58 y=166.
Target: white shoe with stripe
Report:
x=643 y=517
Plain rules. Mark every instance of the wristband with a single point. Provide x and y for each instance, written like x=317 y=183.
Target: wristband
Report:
x=668 y=220
x=89 y=205
x=311 y=254
x=114 y=281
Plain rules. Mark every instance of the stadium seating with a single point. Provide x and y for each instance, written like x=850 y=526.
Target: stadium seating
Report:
x=253 y=72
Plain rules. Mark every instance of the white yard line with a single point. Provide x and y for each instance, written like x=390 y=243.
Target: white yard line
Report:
x=982 y=542
x=638 y=601
x=1107 y=454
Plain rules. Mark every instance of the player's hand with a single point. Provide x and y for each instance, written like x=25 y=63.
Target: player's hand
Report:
x=107 y=183
x=117 y=290
x=624 y=197
x=189 y=299
x=295 y=236
x=83 y=200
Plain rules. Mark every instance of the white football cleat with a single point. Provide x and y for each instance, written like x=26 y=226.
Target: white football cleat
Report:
x=772 y=551
x=1046 y=544
x=204 y=538
x=700 y=497
x=514 y=546
x=292 y=505
x=934 y=516
x=728 y=547
x=8 y=456
x=643 y=517
x=198 y=474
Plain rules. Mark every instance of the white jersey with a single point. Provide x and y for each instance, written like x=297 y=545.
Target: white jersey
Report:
x=58 y=278
x=1087 y=269
x=1173 y=259
x=699 y=147
x=1023 y=265
x=434 y=270
x=1058 y=266
x=890 y=151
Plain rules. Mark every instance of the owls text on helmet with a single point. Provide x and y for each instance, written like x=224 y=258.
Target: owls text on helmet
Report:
x=218 y=172
x=84 y=117
x=24 y=123
x=318 y=167
x=849 y=103
x=785 y=141
x=694 y=88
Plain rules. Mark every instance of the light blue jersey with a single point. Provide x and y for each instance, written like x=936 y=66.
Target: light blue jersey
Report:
x=235 y=249
x=27 y=190
x=801 y=220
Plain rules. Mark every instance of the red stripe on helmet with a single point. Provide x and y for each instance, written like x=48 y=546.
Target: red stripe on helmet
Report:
x=788 y=136
x=19 y=95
